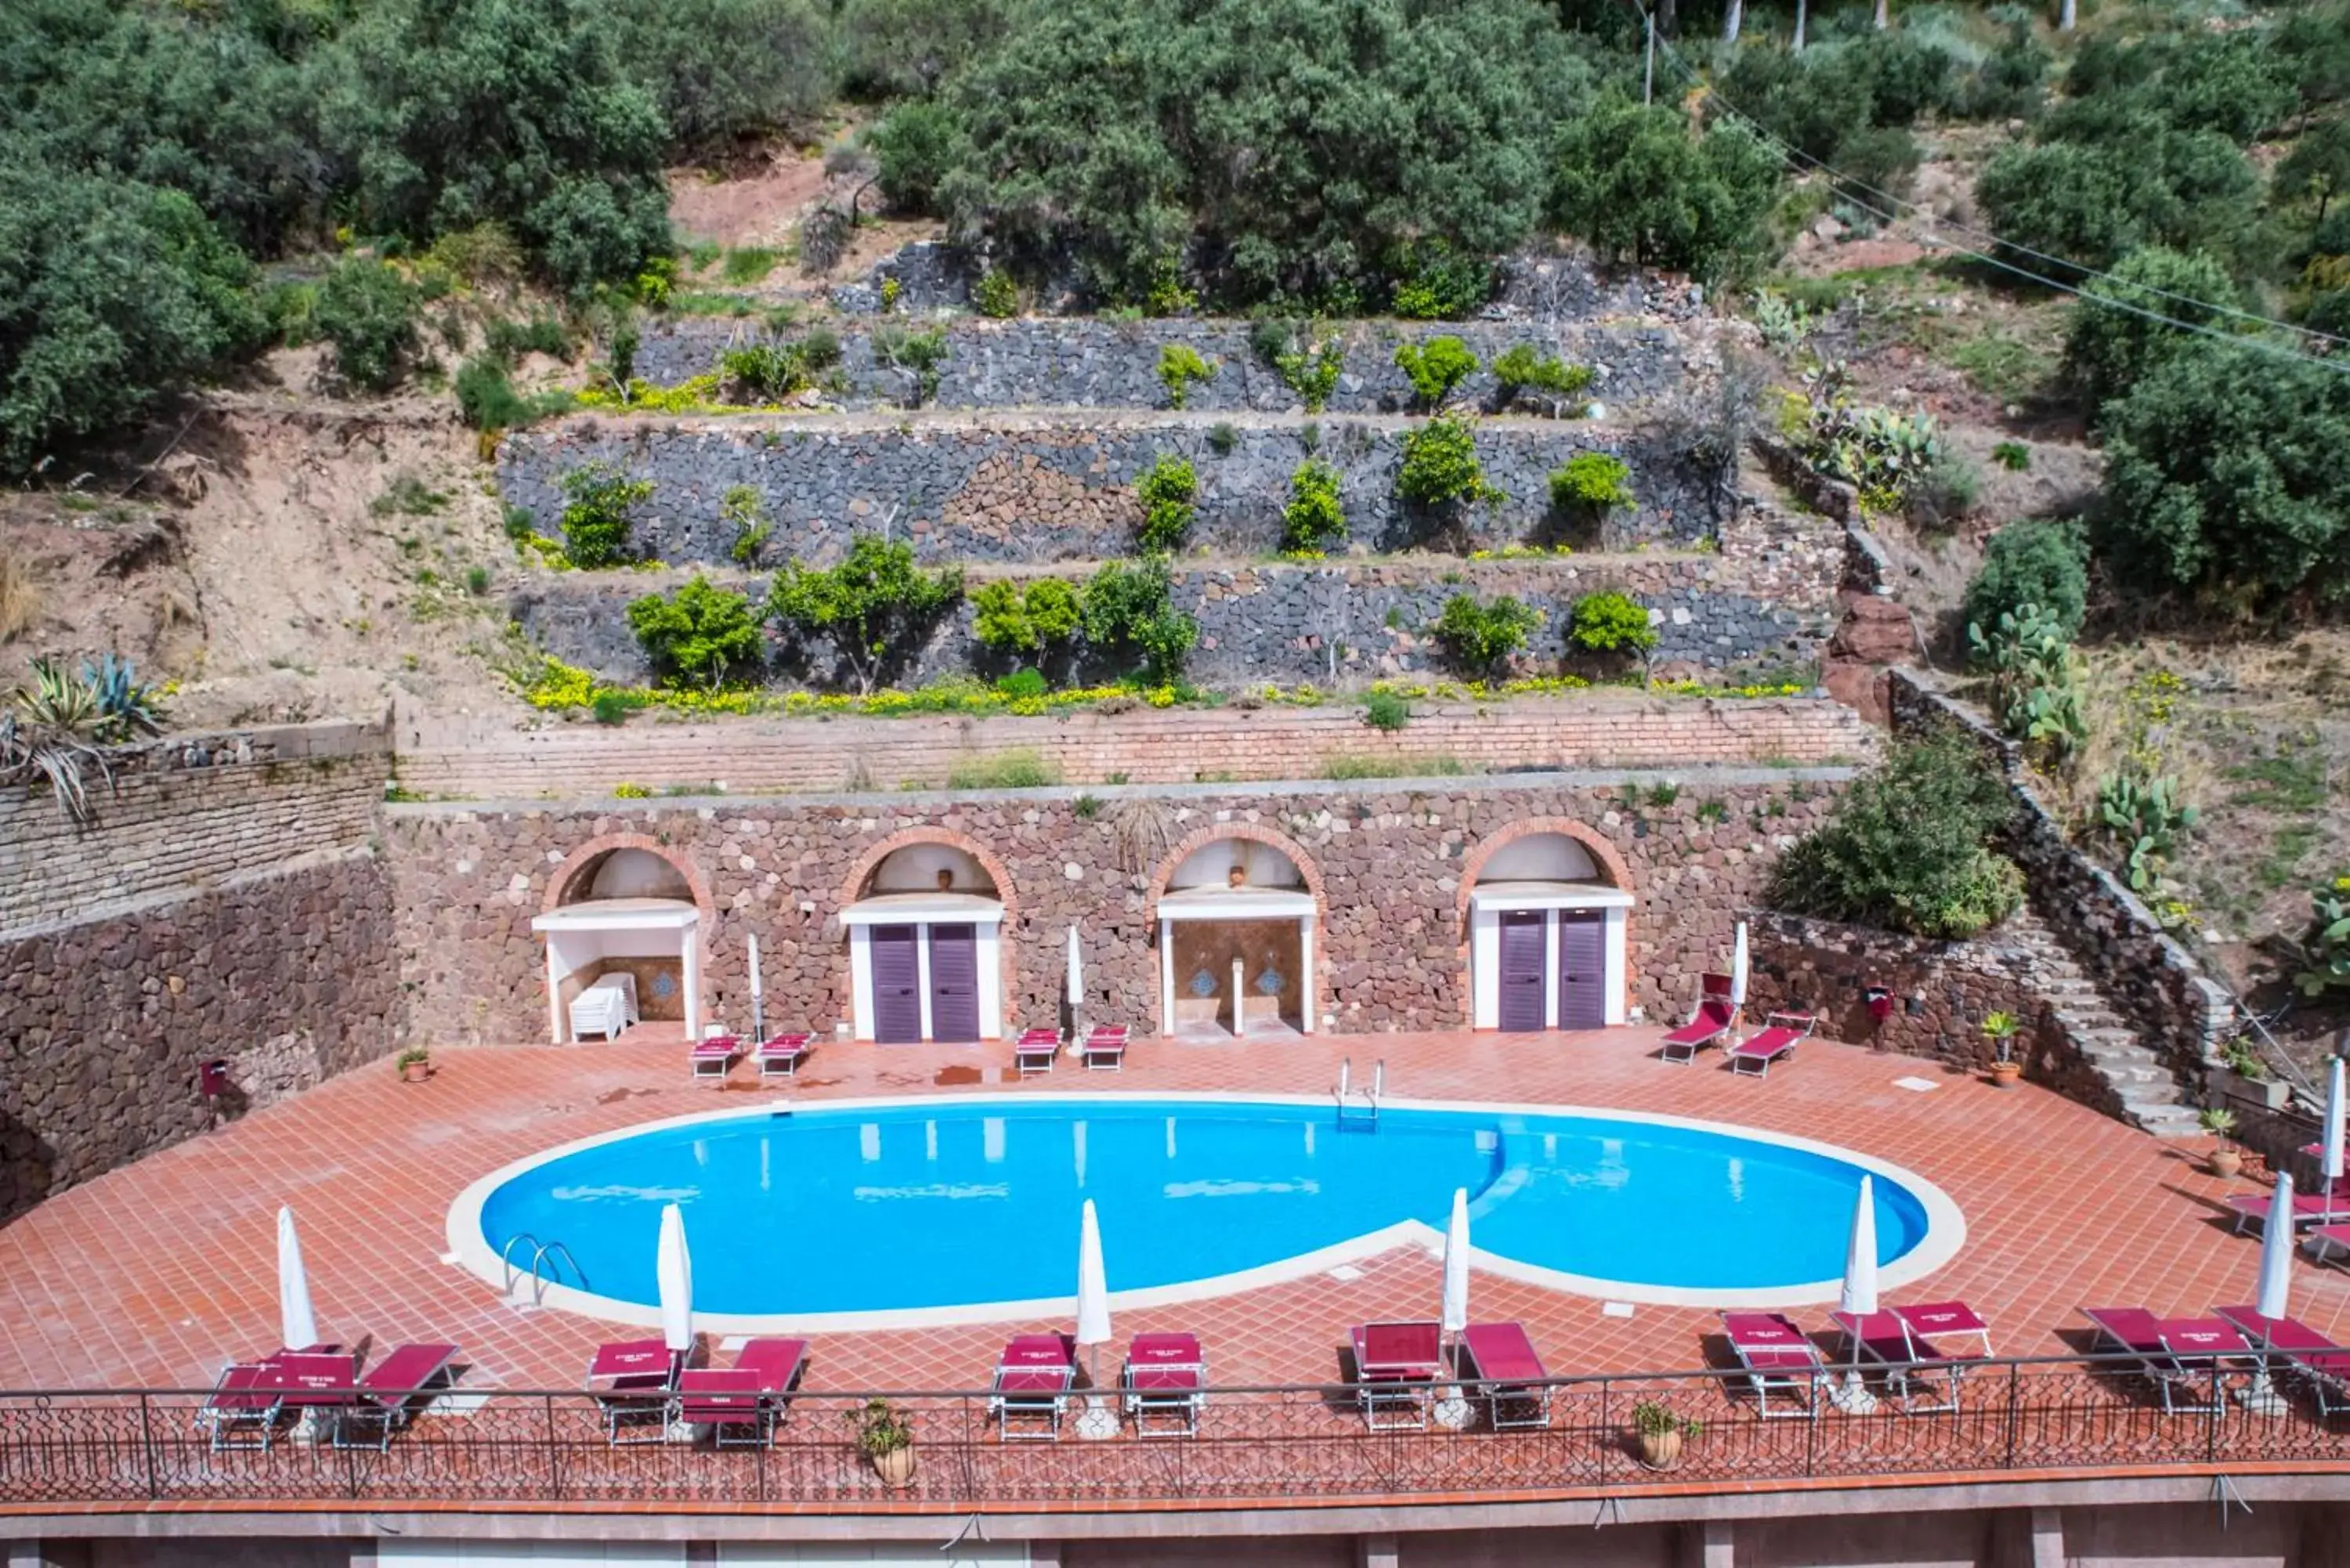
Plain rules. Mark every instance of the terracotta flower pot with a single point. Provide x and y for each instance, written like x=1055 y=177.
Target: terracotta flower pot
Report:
x=2006 y=1074
x=1661 y=1451
x=896 y=1467
x=2226 y=1163
x=416 y=1073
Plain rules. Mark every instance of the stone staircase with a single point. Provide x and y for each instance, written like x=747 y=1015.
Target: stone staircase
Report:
x=2145 y=1092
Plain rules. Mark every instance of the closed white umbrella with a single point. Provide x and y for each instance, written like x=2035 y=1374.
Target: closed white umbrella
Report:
x=1093 y=1286
x=1455 y=1314
x=1858 y=1296
x=2276 y=1253
x=298 y=1325
x=758 y=997
x=1077 y=980
x=1737 y=968
x=2335 y=1107
x=674 y=1277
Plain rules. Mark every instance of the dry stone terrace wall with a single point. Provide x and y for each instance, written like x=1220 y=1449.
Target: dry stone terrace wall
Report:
x=1176 y=746
x=1085 y=362
x=1030 y=488
x=1337 y=623
x=1389 y=857
x=186 y=811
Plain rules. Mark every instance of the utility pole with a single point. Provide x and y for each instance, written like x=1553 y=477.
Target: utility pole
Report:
x=1648 y=76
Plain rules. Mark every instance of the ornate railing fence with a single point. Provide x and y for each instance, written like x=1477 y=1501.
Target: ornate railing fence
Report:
x=1269 y=1445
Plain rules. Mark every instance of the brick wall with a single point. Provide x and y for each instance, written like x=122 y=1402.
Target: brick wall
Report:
x=1175 y=746
x=187 y=812
x=286 y=973
x=1388 y=861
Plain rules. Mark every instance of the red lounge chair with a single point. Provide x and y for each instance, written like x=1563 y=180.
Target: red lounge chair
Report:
x=1716 y=1015
x=1104 y=1047
x=1032 y=1384
x=1935 y=1320
x=1396 y=1368
x=714 y=1058
x=1501 y=1360
x=2326 y=1241
x=2178 y=1356
x=1783 y=1032
x=754 y=1392
x=630 y=1382
x=1776 y=1356
x=392 y=1393
x=2308 y=1209
x=1035 y=1051
x=780 y=1055
x=2319 y=1363
x=1164 y=1380
x=1913 y=1367
x=244 y=1410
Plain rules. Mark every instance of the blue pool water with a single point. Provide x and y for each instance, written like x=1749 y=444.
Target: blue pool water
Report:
x=965 y=1204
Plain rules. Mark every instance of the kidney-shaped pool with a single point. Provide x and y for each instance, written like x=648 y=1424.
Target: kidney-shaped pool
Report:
x=965 y=1210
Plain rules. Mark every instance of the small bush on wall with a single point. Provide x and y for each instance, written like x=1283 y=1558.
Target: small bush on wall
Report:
x=1435 y=368
x=700 y=635
x=1314 y=519
x=1611 y=622
x=1131 y=610
x=1480 y=637
x=1440 y=465
x=595 y=521
x=1180 y=367
x=1036 y=617
x=874 y=609
x=1168 y=491
x=1909 y=848
x=1591 y=485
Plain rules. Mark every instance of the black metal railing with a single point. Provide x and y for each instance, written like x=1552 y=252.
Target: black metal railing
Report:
x=1258 y=1444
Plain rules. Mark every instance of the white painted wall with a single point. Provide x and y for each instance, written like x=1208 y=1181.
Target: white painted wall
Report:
x=1210 y=865
x=638 y=874
x=916 y=867
x=1541 y=857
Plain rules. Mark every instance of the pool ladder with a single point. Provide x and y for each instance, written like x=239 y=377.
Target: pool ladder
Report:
x=540 y=1253
x=1365 y=1100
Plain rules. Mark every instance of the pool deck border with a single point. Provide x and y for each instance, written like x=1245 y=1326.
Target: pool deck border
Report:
x=1946 y=1228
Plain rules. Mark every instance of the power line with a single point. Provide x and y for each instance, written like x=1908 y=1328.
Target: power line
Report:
x=1792 y=154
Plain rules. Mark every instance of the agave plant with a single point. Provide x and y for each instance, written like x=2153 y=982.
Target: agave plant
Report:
x=52 y=731
x=125 y=707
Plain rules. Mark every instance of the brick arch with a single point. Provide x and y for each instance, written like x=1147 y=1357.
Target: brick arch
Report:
x=998 y=872
x=706 y=928
x=1271 y=837
x=1608 y=859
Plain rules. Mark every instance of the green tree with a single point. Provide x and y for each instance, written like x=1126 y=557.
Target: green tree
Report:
x=873 y=608
x=2113 y=340
x=1908 y=848
x=457 y=112
x=111 y=294
x=1314 y=518
x=724 y=69
x=1435 y=368
x=1169 y=490
x=900 y=48
x=2224 y=479
x=2032 y=562
x=2318 y=165
x=367 y=311
x=915 y=146
x=1440 y=467
x=1038 y=616
x=1480 y=637
x=1633 y=183
x=1129 y=613
x=598 y=500
x=700 y=635
x=1610 y=622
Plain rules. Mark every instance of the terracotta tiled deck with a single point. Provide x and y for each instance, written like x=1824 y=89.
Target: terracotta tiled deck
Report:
x=158 y=1274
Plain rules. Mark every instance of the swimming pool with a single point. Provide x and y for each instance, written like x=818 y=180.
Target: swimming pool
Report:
x=854 y=1214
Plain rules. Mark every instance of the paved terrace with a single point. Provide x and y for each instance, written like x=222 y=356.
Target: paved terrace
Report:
x=156 y=1275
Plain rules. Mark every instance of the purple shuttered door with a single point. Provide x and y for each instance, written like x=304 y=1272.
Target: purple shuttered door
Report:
x=1522 y=970
x=954 y=983
x=1582 y=969
x=897 y=987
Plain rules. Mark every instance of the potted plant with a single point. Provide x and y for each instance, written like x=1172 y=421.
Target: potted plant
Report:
x=1661 y=1433
x=2000 y=1028
x=415 y=1065
x=2239 y=1075
x=2220 y=1123
x=885 y=1438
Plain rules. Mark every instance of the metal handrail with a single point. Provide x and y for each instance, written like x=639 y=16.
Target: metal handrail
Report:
x=505 y=1260
x=538 y=1284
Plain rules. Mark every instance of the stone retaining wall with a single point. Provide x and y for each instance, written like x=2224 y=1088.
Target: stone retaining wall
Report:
x=187 y=812
x=1942 y=991
x=1387 y=859
x=1176 y=746
x=2155 y=983
x=1085 y=362
x=1036 y=489
x=1339 y=624
x=286 y=973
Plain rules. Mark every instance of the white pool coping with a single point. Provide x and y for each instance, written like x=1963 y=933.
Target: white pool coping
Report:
x=1946 y=1227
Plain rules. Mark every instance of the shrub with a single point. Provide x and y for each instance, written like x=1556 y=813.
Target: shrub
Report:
x=726 y=68
x=1017 y=769
x=367 y=311
x=487 y=398
x=1442 y=284
x=1435 y=368
x=1482 y=636
x=2012 y=456
x=1610 y=622
x=598 y=501
x=1386 y=710
x=699 y=635
x=770 y=372
x=995 y=295
x=1876 y=163
x=1180 y=366
x=1521 y=370
x=918 y=355
x=2326 y=942
x=1940 y=497
x=1634 y=184
x=742 y=507
x=1591 y=483
x=1130 y=610
x=1308 y=366
x=609 y=707
x=1168 y=490
x=1440 y=465
x=2110 y=345
x=1036 y=617
x=1222 y=438
x=1908 y=848
x=914 y=146
x=1314 y=518
x=1023 y=686
x=510 y=340
x=2032 y=563
x=873 y=608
